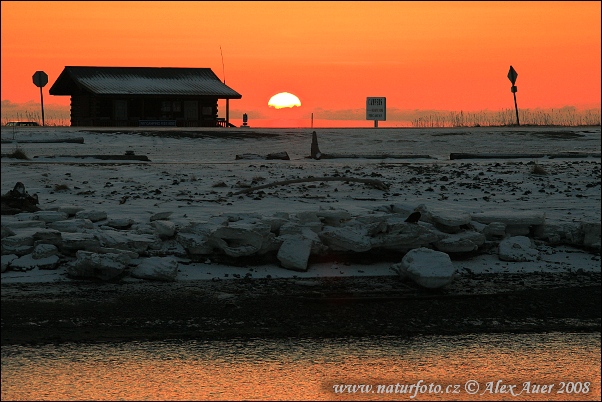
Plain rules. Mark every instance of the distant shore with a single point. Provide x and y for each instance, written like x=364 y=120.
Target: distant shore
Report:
x=252 y=128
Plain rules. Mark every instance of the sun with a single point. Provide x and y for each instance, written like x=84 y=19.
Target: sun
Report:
x=284 y=99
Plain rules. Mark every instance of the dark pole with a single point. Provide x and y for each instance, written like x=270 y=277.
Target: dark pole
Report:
x=227 y=108
x=42 y=102
x=515 y=105
x=227 y=100
x=227 y=112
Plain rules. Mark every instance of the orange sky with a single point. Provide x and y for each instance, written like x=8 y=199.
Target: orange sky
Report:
x=332 y=55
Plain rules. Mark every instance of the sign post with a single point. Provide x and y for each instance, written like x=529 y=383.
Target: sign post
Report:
x=376 y=109
x=40 y=79
x=512 y=74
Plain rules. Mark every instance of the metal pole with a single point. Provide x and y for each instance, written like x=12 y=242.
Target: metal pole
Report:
x=227 y=112
x=42 y=102
x=516 y=108
x=375 y=123
x=312 y=120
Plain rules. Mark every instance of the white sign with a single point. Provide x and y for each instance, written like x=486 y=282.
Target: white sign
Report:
x=376 y=109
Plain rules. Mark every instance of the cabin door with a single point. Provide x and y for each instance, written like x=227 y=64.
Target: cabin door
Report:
x=191 y=110
x=120 y=108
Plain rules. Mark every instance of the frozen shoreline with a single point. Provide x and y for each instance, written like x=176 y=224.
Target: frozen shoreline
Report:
x=193 y=180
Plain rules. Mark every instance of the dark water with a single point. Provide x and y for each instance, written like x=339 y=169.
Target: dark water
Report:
x=484 y=366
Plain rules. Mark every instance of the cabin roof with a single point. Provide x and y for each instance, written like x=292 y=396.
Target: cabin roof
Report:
x=141 y=81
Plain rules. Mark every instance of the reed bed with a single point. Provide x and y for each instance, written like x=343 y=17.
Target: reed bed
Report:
x=567 y=116
x=50 y=119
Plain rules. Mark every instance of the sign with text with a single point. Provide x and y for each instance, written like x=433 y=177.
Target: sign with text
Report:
x=376 y=109
x=155 y=123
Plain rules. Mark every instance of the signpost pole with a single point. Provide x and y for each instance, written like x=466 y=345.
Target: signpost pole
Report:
x=42 y=103
x=516 y=107
x=40 y=79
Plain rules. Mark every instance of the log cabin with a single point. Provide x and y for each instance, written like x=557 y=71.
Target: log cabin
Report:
x=144 y=96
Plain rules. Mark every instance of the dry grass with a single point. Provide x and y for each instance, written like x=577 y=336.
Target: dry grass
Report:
x=537 y=169
x=567 y=116
x=50 y=119
x=18 y=153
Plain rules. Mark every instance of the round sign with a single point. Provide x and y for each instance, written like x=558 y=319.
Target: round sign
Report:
x=40 y=79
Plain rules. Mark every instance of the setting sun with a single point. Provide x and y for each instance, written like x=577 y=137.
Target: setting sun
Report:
x=445 y=57
x=284 y=99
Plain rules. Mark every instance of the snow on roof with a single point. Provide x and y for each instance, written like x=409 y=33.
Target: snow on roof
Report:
x=142 y=81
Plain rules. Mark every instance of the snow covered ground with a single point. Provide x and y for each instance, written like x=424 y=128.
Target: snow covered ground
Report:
x=194 y=173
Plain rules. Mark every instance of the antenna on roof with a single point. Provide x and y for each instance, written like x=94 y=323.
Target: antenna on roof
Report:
x=223 y=71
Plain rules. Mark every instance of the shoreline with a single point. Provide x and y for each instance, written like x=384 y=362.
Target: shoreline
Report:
x=90 y=312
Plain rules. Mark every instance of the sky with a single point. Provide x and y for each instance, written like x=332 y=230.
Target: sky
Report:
x=421 y=56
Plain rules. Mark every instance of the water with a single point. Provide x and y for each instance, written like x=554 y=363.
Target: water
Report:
x=440 y=367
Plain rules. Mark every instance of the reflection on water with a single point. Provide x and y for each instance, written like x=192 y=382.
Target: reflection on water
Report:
x=310 y=369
